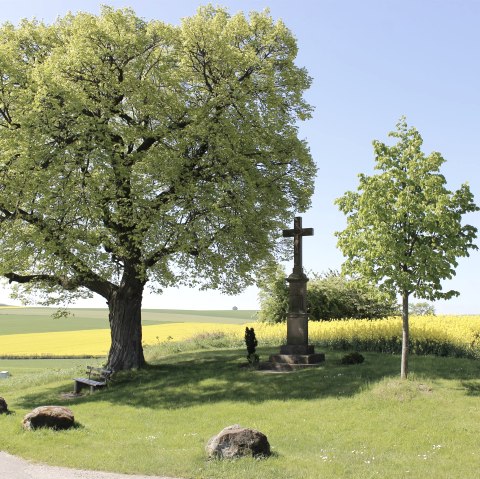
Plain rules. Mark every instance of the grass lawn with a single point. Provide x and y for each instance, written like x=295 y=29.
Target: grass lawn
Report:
x=334 y=421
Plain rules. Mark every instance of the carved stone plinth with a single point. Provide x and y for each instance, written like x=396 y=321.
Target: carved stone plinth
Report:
x=314 y=358
x=297 y=329
x=297 y=349
x=293 y=362
x=297 y=295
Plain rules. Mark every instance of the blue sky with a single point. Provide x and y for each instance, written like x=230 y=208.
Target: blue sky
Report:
x=371 y=62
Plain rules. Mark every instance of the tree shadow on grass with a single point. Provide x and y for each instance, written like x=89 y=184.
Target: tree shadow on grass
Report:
x=472 y=387
x=189 y=379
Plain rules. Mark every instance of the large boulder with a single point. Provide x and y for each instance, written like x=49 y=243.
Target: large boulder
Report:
x=3 y=406
x=237 y=441
x=54 y=417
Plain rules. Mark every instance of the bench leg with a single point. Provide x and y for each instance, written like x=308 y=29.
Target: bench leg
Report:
x=77 y=387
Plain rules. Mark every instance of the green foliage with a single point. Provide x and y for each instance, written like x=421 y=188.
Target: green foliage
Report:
x=421 y=308
x=252 y=343
x=352 y=358
x=135 y=152
x=62 y=313
x=404 y=227
x=273 y=295
x=133 y=144
x=329 y=296
x=333 y=296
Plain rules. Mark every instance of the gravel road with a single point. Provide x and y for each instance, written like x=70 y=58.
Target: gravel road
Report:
x=12 y=467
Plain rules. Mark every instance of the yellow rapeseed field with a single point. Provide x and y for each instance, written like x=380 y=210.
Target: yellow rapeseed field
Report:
x=461 y=333
x=96 y=342
x=458 y=328
x=455 y=334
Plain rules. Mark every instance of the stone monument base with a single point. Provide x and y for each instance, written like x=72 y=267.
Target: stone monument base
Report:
x=293 y=357
x=297 y=349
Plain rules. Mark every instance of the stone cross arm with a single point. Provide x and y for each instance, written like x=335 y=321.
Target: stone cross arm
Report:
x=297 y=233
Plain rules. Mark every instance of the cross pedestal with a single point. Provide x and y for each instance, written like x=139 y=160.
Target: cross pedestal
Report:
x=297 y=352
x=297 y=319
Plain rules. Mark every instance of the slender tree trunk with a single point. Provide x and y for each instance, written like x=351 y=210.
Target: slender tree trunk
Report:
x=125 y=306
x=405 y=336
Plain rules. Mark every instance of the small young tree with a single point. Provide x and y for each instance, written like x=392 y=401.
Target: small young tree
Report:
x=251 y=343
x=404 y=230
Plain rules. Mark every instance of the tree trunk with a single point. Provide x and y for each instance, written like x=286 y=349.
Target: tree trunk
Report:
x=405 y=336
x=125 y=316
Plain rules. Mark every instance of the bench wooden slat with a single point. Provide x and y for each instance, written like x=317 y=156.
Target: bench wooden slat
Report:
x=90 y=382
x=101 y=379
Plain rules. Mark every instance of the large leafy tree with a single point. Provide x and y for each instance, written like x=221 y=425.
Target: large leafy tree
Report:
x=404 y=227
x=135 y=152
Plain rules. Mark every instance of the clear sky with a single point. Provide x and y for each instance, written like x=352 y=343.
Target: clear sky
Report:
x=371 y=61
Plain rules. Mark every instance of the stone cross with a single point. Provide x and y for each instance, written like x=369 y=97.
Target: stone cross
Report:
x=297 y=353
x=297 y=233
x=297 y=319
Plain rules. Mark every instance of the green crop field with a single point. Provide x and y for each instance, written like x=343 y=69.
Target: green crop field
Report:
x=40 y=320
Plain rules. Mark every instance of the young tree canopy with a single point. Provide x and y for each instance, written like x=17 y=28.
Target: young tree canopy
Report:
x=135 y=152
x=404 y=227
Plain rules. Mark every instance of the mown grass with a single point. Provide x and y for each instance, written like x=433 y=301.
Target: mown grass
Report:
x=334 y=421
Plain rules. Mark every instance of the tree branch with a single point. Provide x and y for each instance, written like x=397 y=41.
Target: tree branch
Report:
x=84 y=275
x=64 y=282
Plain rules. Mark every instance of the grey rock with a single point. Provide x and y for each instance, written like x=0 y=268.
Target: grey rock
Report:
x=237 y=441
x=54 y=417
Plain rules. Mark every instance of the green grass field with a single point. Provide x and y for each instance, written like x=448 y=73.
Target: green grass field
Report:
x=40 y=320
x=330 y=422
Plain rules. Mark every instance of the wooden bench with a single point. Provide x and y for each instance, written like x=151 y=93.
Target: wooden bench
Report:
x=97 y=378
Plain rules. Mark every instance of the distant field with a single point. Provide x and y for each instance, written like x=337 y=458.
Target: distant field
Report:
x=23 y=367
x=198 y=316
x=39 y=320
x=96 y=342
